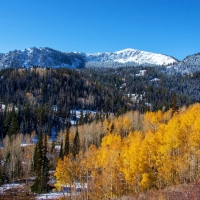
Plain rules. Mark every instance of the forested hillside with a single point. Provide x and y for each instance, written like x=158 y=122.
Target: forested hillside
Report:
x=135 y=130
x=41 y=98
x=46 y=97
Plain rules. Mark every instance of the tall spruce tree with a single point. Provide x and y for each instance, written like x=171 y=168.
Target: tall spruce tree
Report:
x=37 y=185
x=61 y=151
x=45 y=167
x=175 y=107
x=8 y=116
x=66 y=149
x=41 y=166
x=13 y=129
x=76 y=143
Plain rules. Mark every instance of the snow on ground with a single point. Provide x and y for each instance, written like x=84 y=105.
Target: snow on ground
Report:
x=155 y=79
x=141 y=73
x=5 y=187
x=52 y=195
x=57 y=195
x=25 y=144
x=77 y=114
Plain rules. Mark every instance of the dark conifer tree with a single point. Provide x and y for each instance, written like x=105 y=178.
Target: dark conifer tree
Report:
x=19 y=114
x=61 y=150
x=27 y=113
x=175 y=107
x=66 y=149
x=76 y=143
x=97 y=116
x=13 y=129
x=35 y=157
x=53 y=146
x=45 y=168
x=37 y=185
x=8 y=118
x=41 y=169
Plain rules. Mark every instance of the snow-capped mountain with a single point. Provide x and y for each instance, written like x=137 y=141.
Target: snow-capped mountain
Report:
x=189 y=65
x=47 y=57
x=128 y=57
x=43 y=57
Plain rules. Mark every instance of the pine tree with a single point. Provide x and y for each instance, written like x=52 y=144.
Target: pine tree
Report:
x=41 y=168
x=8 y=118
x=13 y=129
x=19 y=115
x=37 y=186
x=53 y=146
x=66 y=149
x=35 y=155
x=76 y=144
x=174 y=105
x=45 y=168
x=97 y=116
x=61 y=150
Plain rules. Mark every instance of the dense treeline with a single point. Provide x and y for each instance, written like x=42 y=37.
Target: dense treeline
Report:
x=163 y=152
x=43 y=98
x=154 y=88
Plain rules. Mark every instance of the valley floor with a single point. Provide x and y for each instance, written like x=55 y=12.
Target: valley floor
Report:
x=179 y=192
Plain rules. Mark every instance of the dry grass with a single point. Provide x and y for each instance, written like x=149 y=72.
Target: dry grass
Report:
x=179 y=192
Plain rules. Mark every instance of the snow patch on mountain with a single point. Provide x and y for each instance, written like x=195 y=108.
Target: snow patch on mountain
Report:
x=128 y=57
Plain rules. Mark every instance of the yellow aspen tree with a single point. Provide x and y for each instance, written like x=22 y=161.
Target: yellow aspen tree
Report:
x=105 y=126
x=108 y=163
x=163 y=163
x=118 y=126
x=126 y=126
x=130 y=160
x=147 y=161
x=152 y=120
x=145 y=182
x=65 y=172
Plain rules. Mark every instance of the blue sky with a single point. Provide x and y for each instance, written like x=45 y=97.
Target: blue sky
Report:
x=170 y=27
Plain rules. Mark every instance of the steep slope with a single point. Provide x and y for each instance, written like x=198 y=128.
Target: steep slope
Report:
x=127 y=57
x=189 y=65
x=43 y=57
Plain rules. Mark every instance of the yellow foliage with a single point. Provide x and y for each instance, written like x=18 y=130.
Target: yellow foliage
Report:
x=144 y=184
x=167 y=153
x=118 y=125
x=126 y=125
x=65 y=172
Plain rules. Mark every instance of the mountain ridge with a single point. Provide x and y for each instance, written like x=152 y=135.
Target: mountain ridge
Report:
x=48 y=57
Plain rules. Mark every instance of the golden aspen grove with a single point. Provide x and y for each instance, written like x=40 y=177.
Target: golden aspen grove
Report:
x=164 y=152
